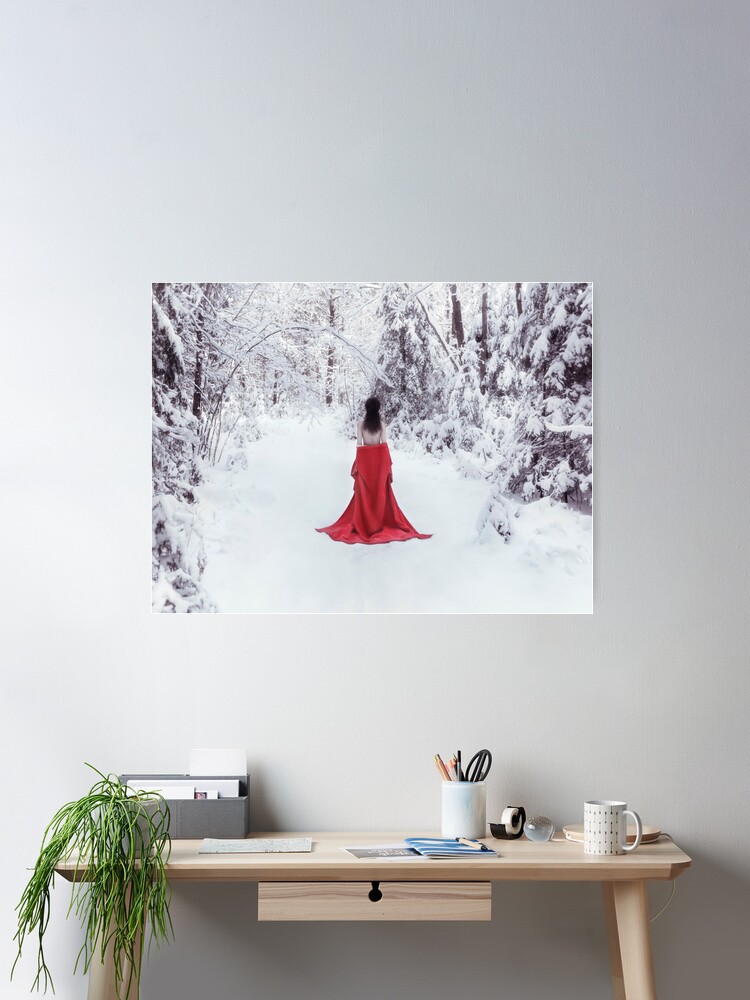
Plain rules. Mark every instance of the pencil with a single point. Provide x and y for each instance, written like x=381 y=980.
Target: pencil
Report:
x=442 y=768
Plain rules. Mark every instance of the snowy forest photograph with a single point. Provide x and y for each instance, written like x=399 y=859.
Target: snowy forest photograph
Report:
x=387 y=447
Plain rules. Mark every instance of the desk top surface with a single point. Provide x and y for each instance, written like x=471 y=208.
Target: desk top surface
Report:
x=518 y=860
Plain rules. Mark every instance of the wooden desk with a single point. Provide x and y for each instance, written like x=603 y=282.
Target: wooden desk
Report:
x=329 y=884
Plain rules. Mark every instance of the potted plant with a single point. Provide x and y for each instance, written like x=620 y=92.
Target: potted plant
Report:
x=119 y=840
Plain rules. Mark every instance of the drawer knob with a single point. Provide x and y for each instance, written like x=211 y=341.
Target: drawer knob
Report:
x=375 y=895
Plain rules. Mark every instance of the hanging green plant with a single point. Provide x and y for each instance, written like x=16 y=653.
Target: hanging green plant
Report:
x=119 y=839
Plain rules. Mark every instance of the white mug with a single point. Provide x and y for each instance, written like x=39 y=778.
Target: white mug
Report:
x=464 y=811
x=605 y=829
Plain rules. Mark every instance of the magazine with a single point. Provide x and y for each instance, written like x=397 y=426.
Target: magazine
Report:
x=400 y=850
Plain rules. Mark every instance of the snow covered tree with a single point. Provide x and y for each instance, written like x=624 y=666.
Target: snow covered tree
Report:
x=465 y=404
x=501 y=321
x=566 y=375
x=547 y=448
x=177 y=553
x=410 y=391
x=496 y=516
x=174 y=426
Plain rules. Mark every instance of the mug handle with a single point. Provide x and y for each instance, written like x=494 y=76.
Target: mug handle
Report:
x=638 y=830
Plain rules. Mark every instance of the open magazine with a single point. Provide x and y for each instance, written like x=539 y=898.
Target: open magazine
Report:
x=399 y=851
x=422 y=847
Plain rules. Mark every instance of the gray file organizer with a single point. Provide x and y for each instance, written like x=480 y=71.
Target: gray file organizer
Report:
x=198 y=818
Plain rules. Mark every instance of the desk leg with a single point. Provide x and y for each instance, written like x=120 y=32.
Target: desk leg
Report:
x=102 y=978
x=613 y=943
x=631 y=911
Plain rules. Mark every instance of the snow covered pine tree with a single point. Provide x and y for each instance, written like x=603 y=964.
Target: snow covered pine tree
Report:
x=177 y=557
x=407 y=359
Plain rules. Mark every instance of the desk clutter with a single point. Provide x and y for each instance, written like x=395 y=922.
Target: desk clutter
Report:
x=212 y=803
x=212 y=800
x=463 y=813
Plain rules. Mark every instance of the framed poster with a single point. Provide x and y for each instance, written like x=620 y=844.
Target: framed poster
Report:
x=387 y=447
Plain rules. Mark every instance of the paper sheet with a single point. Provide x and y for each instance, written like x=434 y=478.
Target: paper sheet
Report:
x=259 y=845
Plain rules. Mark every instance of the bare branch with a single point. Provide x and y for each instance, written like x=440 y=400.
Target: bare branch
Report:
x=255 y=288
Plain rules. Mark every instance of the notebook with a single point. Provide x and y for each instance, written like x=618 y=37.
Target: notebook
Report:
x=437 y=847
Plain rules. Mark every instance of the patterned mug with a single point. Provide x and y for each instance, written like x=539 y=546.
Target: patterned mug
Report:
x=605 y=828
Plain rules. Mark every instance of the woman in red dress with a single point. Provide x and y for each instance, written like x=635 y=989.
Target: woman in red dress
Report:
x=372 y=515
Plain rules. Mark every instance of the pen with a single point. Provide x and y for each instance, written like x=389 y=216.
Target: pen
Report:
x=458 y=765
x=470 y=843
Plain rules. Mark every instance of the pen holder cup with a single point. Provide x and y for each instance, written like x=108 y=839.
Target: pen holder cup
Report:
x=464 y=811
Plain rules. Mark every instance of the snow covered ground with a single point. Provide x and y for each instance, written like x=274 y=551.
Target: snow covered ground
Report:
x=265 y=556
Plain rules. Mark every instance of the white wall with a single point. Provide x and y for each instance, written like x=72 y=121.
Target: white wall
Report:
x=605 y=142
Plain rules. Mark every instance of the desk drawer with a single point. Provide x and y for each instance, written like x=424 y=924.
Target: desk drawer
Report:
x=351 y=901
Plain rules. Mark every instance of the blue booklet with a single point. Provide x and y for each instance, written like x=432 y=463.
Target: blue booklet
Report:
x=438 y=847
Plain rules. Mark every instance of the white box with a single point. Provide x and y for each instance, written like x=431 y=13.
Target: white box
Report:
x=217 y=762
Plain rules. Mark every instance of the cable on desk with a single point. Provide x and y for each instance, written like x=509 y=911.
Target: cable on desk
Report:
x=674 y=888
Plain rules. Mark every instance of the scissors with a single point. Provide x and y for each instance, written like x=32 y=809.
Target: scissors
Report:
x=479 y=766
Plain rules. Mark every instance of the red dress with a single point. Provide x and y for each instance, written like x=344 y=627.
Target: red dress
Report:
x=372 y=515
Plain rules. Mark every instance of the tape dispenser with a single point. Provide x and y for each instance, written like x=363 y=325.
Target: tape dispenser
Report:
x=511 y=823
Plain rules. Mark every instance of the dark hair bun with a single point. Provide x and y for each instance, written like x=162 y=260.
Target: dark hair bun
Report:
x=372 y=415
